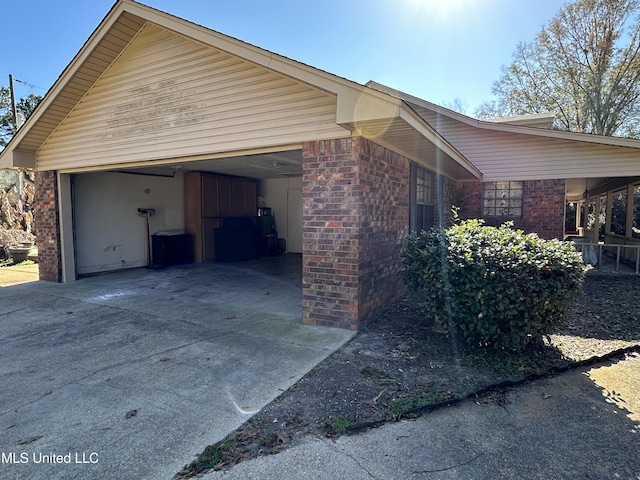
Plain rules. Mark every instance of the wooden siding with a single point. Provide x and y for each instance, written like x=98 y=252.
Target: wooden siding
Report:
x=513 y=156
x=167 y=97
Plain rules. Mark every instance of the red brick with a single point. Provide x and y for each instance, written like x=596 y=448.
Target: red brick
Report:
x=46 y=219
x=360 y=191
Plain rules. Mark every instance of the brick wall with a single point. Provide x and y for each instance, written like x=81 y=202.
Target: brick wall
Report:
x=542 y=209
x=384 y=224
x=449 y=199
x=355 y=218
x=49 y=261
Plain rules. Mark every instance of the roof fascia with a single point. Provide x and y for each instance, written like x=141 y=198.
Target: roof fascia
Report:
x=409 y=115
x=8 y=160
x=16 y=159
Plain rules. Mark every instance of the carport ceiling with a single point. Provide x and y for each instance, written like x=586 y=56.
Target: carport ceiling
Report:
x=260 y=166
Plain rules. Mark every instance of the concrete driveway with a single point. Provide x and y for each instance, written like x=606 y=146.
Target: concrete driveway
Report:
x=130 y=374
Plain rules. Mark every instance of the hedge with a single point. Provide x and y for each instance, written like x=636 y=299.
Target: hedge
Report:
x=493 y=286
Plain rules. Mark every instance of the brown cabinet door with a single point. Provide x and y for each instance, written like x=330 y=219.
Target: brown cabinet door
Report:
x=210 y=204
x=224 y=197
x=237 y=198
x=210 y=198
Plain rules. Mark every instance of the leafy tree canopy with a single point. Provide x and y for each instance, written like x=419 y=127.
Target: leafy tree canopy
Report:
x=24 y=106
x=584 y=66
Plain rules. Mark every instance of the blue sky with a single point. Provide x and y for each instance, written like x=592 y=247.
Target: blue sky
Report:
x=434 y=49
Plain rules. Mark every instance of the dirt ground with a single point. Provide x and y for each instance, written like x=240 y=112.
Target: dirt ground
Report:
x=400 y=367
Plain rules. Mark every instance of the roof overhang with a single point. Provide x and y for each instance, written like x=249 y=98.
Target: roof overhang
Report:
x=504 y=125
x=392 y=122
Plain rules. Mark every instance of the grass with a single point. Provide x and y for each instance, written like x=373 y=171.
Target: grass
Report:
x=409 y=406
x=10 y=263
x=221 y=453
x=337 y=426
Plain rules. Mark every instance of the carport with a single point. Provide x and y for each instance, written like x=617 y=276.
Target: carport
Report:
x=109 y=233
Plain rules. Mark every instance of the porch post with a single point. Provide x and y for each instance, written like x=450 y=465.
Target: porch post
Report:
x=596 y=216
x=609 y=208
x=629 y=226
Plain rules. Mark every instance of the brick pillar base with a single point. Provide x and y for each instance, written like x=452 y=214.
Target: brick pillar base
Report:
x=355 y=220
x=48 y=227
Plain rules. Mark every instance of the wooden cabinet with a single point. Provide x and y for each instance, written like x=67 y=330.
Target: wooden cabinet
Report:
x=207 y=200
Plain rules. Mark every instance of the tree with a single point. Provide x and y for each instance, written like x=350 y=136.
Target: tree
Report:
x=24 y=106
x=457 y=105
x=584 y=67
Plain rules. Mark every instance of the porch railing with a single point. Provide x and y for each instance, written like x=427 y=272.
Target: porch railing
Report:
x=617 y=257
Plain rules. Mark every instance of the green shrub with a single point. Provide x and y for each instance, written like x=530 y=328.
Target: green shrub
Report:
x=494 y=286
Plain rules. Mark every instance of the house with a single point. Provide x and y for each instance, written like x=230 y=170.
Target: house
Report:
x=163 y=115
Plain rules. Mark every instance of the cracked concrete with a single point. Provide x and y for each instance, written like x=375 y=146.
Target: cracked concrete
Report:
x=194 y=350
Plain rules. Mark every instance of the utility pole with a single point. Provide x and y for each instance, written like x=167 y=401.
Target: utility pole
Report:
x=13 y=104
x=14 y=108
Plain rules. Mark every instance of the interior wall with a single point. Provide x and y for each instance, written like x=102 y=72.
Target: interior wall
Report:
x=109 y=232
x=276 y=194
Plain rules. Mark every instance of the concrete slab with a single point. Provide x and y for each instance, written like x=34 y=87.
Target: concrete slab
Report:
x=192 y=350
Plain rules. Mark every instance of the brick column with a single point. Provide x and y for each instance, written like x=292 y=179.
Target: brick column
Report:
x=355 y=219
x=47 y=225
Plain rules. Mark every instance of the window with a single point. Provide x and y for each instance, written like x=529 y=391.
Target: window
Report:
x=423 y=198
x=503 y=199
x=425 y=181
x=619 y=212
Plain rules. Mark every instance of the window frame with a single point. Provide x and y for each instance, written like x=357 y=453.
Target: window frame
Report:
x=514 y=198
x=423 y=191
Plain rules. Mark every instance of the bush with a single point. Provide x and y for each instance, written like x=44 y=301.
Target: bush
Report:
x=494 y=286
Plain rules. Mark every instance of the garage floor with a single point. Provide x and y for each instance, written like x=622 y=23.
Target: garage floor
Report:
x=133 y=373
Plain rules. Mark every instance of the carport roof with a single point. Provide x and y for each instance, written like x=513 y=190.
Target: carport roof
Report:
x=386 y=118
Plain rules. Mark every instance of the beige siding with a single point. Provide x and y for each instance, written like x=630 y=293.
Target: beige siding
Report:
x=167 y=96
x=513 y=156
x=88 y=72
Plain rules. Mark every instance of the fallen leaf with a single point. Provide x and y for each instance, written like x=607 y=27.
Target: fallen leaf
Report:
x=231 y=317
x=28 y=440
x=130 y=414
x=164 y=359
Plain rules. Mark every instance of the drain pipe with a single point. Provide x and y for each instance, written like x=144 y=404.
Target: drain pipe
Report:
x=146 y=213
